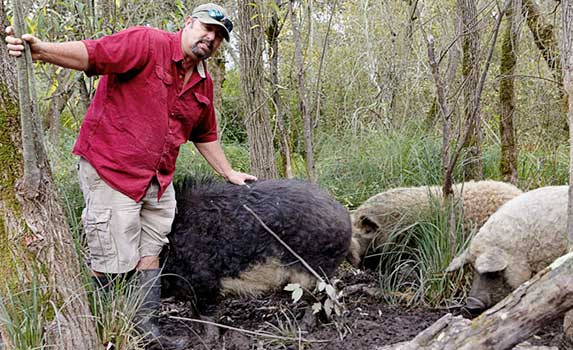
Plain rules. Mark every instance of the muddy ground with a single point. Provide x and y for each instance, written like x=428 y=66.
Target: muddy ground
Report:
x=368 y=322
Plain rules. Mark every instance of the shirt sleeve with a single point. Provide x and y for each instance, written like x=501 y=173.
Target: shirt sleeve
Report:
x=118 y=53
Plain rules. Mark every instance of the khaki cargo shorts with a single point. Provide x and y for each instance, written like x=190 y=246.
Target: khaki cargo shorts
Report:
x=119 y=231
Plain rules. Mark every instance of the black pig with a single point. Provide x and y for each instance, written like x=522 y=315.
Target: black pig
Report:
x=218 y=247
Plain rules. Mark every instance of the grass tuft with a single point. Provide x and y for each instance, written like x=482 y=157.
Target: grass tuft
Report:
x=412 y=262
x=22 y=315
x=287 y=331
x=114 y=312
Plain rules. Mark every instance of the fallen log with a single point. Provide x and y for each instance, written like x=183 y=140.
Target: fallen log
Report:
x=537 y=302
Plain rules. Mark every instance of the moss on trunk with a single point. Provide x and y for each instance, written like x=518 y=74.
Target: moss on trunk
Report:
x=508 y=161
x=13 y=227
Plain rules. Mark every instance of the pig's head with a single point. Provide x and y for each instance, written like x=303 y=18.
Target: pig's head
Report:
x=364 y=230
x=489 y=284
x=496 y=274
x=373 y=226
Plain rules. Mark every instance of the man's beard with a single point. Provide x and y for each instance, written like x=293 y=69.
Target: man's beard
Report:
x=200 y=52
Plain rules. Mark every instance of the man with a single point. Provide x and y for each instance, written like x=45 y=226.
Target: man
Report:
x=154 y=95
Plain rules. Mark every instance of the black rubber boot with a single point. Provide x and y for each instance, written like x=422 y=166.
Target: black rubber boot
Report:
x=101 y=283
x=146 y=319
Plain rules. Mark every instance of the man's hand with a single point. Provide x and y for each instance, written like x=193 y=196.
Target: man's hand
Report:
x=71 y=54
x=16 y=46
x=238 y=178
x=215 y=156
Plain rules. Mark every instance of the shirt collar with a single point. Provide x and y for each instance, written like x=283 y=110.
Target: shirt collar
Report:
x=177 y=54
x=201 y=69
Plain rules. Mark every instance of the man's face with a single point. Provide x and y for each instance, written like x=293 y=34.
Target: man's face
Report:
x=199 y=40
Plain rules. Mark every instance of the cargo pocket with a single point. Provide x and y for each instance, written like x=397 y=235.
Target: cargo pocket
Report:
x=98 y=234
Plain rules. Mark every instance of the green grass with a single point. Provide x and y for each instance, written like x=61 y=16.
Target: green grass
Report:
x=22 y=315
x=287 y=330
x=412 y=262
x=190 y=161
x=355 y=167
x=540 y=167
x=114 y=313
x=65 y=174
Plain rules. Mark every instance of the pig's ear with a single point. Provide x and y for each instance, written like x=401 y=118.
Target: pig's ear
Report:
x=366 y=225
x=492 y=260
x=459 y=261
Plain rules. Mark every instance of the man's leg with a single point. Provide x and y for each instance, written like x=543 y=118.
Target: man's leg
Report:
x=156 y=219
x=111 y=223
x=148 y=263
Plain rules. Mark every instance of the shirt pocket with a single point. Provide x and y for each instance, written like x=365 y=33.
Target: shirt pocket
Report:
x=202 y=99
x=162 y=81
x=191 y=110
x=163 y=74
x=188 y=115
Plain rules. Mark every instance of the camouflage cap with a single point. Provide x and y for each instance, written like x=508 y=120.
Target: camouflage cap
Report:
x=214 y=14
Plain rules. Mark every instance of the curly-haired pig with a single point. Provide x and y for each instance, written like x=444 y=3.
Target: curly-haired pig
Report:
x=217 y=247
x=522 y=238
x=398 y=208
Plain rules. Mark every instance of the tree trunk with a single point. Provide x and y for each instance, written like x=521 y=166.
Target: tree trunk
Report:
x=302 y=94
x=544 y=37
x=273 y=32
x=413 y=16
x=106 y=12
x=11 y=222
x=544 y=298
x=508 y=162
x=473 y=119
x=470 y=74
x=251 y=47
x=567 y=52
x=85 y=93
x=57 y=104
x=443 y=108
x=441 y=89
x=216 y=66
x=453 y=63
x=325 y=45
x=42 y=241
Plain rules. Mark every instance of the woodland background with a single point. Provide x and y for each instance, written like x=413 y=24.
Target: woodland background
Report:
x=358 y=96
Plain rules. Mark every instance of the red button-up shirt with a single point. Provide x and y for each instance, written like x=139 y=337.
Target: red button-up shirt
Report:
x=141 y=112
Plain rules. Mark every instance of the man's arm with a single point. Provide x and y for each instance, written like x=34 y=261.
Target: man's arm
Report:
x=72 y=54
x=215 y=156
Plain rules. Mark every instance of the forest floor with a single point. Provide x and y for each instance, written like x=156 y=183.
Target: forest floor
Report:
x=368 y=322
